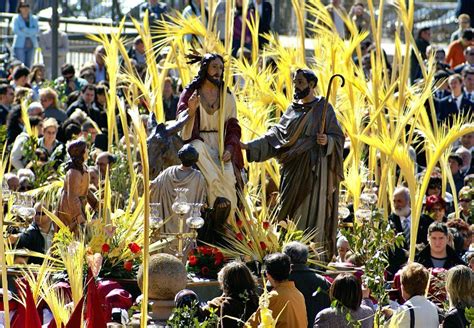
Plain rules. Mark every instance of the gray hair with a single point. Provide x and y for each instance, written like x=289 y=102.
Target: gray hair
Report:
x=340 y=241
x=34 y=105
x=298 y=252
x=403 y=190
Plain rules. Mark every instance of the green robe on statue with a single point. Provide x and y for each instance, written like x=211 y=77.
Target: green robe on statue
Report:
x=310 y=173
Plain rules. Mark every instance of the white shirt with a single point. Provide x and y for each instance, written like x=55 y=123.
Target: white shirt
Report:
x=426 y=314
x=458 y=101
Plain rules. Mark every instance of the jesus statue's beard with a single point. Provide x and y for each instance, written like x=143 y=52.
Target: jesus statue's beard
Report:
x=216 y=82
x=403 y=211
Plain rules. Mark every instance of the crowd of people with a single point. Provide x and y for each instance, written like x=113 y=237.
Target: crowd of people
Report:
x=41 y=116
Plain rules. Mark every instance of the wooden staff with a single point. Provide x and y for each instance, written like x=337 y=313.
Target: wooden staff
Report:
x=326 y=104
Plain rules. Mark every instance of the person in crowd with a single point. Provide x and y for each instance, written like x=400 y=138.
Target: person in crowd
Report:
x=98 y=111
x=435 y=208
x=49 y=142
x=456 y=49
x=25 y=34
x=441 y=79
x=46 y=41
x=460 y=289
x=465 y=198
x=103 y=162
x=468 y=77
x=469 y=63
x=99 y=64
x=465 y=7
x=264 y=10
x=22 y=95
x=20 y=77
x=457 y=102
x=462 y=236
x=88 y=131
x=464 y=22
x=469 y=259
x=18 y=161
x=455 y=164
x=137 y=52
x=188 y=298
x=156 y=10
x=13 y=182
x=193 y=8
x=12 y=5
x=239 y=297
x=361 y=18
x=38 y=237
x=68 y=80
x=336 y=9
x=439 y=56
x=286 y=301
x=170 y=100
x=50 y=102
x=84 y=102
x=14 y=124
x=36 y=79
x=343 y=248
x=88 y=74
x=438 y=254
x=422 y=42
x=351 y=299
x=6 y=100
x=417 y=311
x=238 y=23
x=313 y=286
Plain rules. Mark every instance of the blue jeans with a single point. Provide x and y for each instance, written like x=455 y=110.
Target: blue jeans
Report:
x=25 y=55
x=12 y=8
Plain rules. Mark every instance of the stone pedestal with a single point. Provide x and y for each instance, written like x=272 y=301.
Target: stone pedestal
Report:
x=167 y=276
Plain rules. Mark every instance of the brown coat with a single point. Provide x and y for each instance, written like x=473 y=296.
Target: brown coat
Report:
x=288 y=301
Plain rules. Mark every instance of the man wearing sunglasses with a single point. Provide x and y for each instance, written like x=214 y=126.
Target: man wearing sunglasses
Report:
x=38 y=237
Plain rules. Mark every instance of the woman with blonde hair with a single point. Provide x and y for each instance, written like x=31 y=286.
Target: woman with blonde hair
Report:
x=50 y=102
x=460 y=288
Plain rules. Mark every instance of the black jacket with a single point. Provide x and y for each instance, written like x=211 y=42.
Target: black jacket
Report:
x=265 y=21
x=447 y=107
x=452 y=258
x=33 y=240
x=455 y=318
x=307 y=281
x=79 y=103
x=170 y=110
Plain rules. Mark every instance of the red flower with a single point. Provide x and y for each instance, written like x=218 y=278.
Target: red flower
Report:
x=265 y=224
x=134 y=248
x=219 y=255
x=205 y=270
x=218 y=262
x=206 y=250
x=239 y=236
x=193 y=260
x=239 y=223
x=105 y=248
x=128 y=265
x=263 y=246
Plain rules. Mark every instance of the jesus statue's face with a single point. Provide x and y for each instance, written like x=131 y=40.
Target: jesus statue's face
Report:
x=215 y=70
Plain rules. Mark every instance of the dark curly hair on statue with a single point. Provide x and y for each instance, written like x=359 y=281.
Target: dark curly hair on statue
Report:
x=204 y=61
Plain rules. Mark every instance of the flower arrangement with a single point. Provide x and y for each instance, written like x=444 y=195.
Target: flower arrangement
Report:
x=256 y=232
x=205 y=261
x=437 y=286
